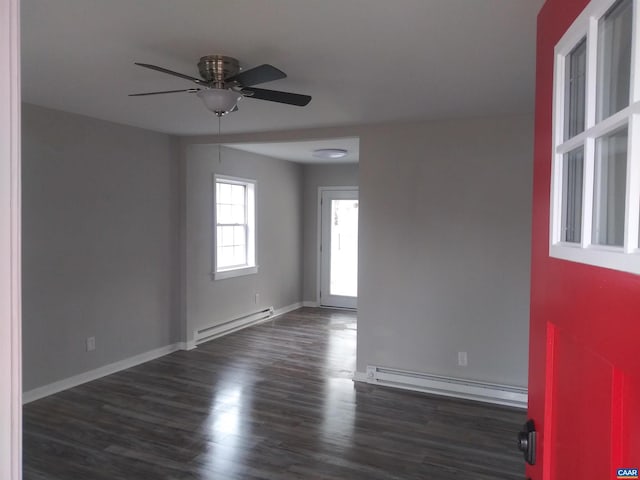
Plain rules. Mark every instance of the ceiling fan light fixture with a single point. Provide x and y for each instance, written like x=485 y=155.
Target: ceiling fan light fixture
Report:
x=220 y=101
x=330 y=153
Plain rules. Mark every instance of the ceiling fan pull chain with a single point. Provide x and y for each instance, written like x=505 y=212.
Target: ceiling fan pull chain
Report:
x=219 y=156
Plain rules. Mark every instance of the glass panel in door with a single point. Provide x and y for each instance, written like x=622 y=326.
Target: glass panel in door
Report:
x=339 y=248
x=344 y=248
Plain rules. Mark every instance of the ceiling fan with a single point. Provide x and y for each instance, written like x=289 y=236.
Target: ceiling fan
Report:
x=223 y=84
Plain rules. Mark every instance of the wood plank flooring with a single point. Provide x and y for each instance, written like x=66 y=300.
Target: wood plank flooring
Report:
x=275 y=402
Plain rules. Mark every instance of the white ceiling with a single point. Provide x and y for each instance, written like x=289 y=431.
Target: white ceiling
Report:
x=302 y=152
x=363 y=61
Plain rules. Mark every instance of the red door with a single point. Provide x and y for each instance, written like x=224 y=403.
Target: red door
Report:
x=584 y=371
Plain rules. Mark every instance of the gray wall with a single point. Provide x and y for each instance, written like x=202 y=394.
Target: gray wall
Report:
x=279 y=237
x=445 y=213
x=100 y=243
x=319 y=176
x=444 y=241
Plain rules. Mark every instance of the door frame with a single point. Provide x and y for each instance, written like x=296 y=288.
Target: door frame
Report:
x=10 y=257
x=319 y=233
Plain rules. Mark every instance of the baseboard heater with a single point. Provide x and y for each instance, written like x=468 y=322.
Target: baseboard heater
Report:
x=214 y=331
x=448 y=386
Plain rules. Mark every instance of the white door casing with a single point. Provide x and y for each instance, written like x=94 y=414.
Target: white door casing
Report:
x=10 y=339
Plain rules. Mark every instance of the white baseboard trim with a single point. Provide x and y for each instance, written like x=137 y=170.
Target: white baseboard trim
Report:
x=59 y=386
x=186 y=345
x=308 y=303
x=287 y=309
x=360 y=377
x=212 y=332
x=448 y=386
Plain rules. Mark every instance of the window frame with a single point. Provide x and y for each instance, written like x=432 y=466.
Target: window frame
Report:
x=251 y=265
x=627 y=257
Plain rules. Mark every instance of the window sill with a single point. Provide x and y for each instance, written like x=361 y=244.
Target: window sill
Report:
x=598 y=256
x=235 y=272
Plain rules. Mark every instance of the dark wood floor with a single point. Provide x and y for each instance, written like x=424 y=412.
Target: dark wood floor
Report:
x=272 y=402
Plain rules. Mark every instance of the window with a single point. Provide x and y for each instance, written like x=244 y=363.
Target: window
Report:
x=234 y=239
x=595 y=203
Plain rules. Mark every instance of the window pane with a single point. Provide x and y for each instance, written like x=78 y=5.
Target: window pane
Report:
x=237 y=196
x=572 y=181
x=576 y=68
x=239 y=237
x=224 y=236
x=224 y=214
x=614 y=59
x=228 y=237
x=610 y=188
x=225 y=257
x=237 y=214
x=224 y=193
x=239 y=256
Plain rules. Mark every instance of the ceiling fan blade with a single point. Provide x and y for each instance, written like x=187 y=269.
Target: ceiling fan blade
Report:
x=254 y=76
x=171 y=72
x=276 y=96
x=190 y=90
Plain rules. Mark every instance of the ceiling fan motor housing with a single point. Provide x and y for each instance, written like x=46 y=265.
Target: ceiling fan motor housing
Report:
x=215 y=68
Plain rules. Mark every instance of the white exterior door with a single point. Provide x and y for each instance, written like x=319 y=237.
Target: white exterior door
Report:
x=339 y=248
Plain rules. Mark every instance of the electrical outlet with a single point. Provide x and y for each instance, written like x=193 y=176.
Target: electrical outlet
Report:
x=257 y=298
x=462 y=359
x=371 y=373
x=91 y=344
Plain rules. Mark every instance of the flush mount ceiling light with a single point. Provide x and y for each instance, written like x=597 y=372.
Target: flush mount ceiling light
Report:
x=329 y=153
x=219 y=100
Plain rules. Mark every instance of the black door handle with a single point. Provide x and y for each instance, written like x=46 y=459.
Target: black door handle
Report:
x=527 y=442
